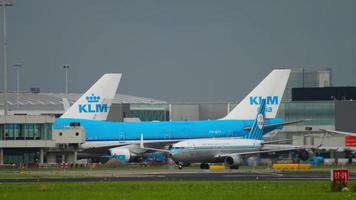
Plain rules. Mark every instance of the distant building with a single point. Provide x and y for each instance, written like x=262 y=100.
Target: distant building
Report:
x=300 y=78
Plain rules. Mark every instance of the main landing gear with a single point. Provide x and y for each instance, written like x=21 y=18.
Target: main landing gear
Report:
x=204 y=166
x=234 y=167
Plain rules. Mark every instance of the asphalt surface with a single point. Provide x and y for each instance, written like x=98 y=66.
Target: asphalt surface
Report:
x=205 y=175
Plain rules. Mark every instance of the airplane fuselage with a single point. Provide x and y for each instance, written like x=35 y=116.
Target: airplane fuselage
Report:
x=211 y=150
x=122 y=132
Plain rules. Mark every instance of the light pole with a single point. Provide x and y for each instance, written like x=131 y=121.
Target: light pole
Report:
x=4 y=4
x=66 y=67
x=17 y=66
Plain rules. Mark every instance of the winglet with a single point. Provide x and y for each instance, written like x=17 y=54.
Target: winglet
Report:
x=153 y=149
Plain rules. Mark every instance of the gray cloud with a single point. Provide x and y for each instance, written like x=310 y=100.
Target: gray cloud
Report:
x=200 y=50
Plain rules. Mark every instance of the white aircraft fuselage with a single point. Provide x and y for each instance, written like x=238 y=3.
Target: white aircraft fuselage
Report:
x=211 y=150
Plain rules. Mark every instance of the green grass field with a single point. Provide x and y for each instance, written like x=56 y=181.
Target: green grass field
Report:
x=290 y=190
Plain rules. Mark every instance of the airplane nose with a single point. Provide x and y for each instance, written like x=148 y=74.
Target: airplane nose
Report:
x=171 y=156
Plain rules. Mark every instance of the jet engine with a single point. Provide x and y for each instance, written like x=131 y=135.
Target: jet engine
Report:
x=304 y=154
x=120 y=154
x=233 y=161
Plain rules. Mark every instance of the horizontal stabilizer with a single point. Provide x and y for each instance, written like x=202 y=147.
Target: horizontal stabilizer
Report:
x=277 y=141
x=273 y=126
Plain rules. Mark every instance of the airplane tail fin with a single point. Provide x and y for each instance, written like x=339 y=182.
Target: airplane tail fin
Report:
x=256 y=131
x=96 y=102
x=271 y=89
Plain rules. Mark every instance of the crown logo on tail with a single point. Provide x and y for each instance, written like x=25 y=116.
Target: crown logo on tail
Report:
x=92 y=98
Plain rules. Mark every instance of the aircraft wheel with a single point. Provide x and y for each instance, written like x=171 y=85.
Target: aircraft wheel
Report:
x=234 y=167
x=180 y=167
x=204 y=166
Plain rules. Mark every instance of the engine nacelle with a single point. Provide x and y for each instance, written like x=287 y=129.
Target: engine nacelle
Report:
x=234 y=160
x=120 y=154
x=305 y=155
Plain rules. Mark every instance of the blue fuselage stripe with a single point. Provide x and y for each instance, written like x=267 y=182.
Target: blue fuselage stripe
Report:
x=126 y=131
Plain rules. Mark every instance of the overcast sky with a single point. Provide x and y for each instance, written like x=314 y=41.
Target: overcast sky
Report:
x=177 y=50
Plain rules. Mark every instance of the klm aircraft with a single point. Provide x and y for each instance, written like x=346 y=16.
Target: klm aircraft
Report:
x=230 y=151
x=122 y=139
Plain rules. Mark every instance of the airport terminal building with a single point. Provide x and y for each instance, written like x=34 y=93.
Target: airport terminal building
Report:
x=26 y=136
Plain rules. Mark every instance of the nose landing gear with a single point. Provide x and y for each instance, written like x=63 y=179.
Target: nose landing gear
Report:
x=181 y=165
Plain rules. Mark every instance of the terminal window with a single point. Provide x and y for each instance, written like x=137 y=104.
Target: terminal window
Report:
x=26 y=131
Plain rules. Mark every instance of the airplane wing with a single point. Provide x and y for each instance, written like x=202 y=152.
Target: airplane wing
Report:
x=278 y=124
x=271 y=149
x=159 y=144
x=288 y=146
x=101 y=149
x=150 y=148
x=251 y=153
x=277 y=141
x=156 y=145
x=339 y=132
x=321 y=146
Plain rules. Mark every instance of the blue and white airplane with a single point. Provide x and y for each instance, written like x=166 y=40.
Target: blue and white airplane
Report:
x=122 y=139
x=231 y=151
